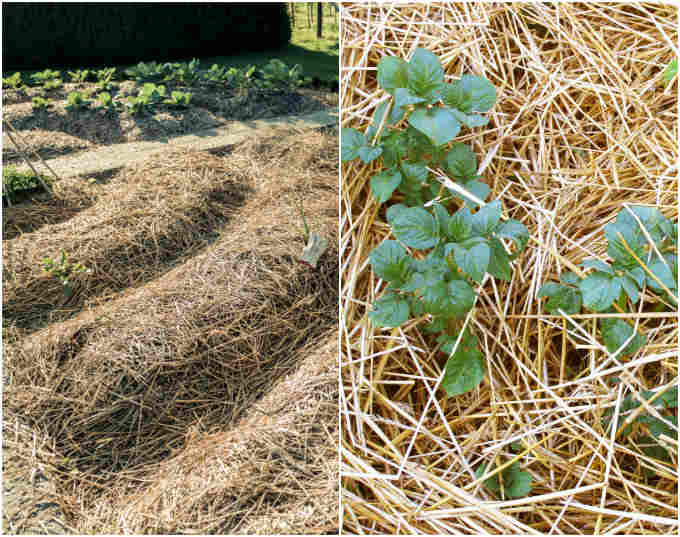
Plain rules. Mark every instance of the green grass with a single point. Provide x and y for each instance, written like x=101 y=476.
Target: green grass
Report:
x=318 y=57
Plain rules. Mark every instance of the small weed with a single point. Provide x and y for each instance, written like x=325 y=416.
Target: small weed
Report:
x=516 y=483
x=64 y=270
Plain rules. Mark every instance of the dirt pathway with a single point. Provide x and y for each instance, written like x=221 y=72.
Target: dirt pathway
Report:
x=116 y=156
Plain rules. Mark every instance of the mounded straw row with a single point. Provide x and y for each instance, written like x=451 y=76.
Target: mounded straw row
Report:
x=583 y=126
x=144 y=221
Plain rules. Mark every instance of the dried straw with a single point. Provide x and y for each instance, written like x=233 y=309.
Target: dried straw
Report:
x=140 y=389
x=583 y=127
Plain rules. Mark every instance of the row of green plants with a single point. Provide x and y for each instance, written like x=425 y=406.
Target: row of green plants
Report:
x=275 y=75
x=148 y=96
x=449 y=236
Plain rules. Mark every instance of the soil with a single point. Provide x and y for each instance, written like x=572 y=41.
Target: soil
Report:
x=30 y=501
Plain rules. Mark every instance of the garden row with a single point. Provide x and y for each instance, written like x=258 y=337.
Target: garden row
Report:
x=275 y=76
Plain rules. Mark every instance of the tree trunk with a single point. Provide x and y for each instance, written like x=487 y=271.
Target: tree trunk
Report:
x=319 y=19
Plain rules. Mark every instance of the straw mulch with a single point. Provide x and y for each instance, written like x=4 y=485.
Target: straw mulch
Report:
x=584 y=125
x=114 y=402
x=142 y=222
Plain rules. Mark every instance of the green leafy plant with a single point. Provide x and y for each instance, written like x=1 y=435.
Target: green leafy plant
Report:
x=231 y=77
x=516 y=483
x=186 y=73
x=646 y=427
x=104 y=79
x=106 y=102
x=13 y=82
x=15 y=181
x=149 y=95
x=47 y=75
x=40 y=104
x=80 y=75
x=52 y=84
x=642 y=245
x=149 y=72
x=449 y=253
x=276 y=75
x=670 y=71
x=64 y=270
x=178 y=99
x=77 y=100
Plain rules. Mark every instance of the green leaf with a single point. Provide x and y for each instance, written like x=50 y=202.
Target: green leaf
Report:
x=615 y=248
x=516 y=483
x=561 y=297
x=389 y=261
x=570 y=277
x=470 y=94
x=392 y=73
x=437 y=325
x=425 y=73
x=492 y=483
x=465 y=368
x=476 y=188
x=395 y=148
x=597 y=265
x=473 y=260
x=461 y=162
x=599 y=291
x=460 y=225
x=351 y=141
x=615 y=332
x=663 y=273
x=470 y=120
x=671 y=70
x=630 y=287
x=369 y=153
x=384 y=184
x=393 y=210
x=442 y=217
x=415 y=174
x=499 y=263
x=396 y=114
x=638 y=275
x=516 y=231
x=390 y=310
x=404 y=97
x=438 y=124
x=461 y=298
x=486 y=220
x=415 y=227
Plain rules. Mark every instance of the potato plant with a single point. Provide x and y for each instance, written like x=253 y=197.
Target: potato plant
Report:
x=438 y=256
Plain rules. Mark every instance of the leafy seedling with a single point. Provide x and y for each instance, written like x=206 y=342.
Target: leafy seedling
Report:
x=64 y=270
x=17 y=182
x=47 y=75
x=635 y=266
x=516 y=483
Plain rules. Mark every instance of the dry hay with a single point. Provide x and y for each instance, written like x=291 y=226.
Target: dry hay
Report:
x=583 y=125
x=48 y=144
x=101 y=400
x=274 y=473
x=143 y=221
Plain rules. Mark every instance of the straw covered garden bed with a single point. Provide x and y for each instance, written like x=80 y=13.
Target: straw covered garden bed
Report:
x=188 y=381
x=584 y=128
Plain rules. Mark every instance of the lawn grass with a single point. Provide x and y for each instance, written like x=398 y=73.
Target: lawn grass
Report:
x=318 y=57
